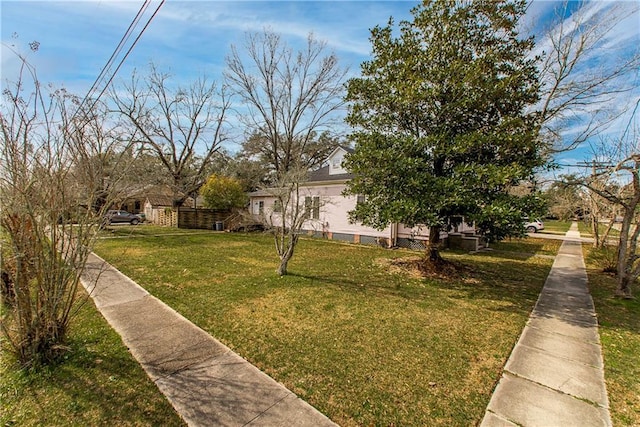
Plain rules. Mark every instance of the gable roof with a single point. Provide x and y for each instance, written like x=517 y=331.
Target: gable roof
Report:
x=317 y=176
x=341 y=147
x=322 y=174
x=160 y=200
x=325 y=173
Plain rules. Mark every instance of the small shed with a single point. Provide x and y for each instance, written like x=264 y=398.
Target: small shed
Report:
x=159 y=210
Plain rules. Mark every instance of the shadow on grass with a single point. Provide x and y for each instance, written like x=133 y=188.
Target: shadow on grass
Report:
x=525 y=248
x=86 y=388
x=613 y=312
x=483 y=278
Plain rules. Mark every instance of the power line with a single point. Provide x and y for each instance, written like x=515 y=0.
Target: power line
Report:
x=119 y=48
x=127 y=54
x=116 y=52
x=587 y=164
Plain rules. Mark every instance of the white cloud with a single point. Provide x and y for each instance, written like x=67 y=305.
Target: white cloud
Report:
x=191 y=38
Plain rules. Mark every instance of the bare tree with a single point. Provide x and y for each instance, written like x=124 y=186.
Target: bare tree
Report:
x=290 y=98
x=183 y=127
x=618 y=162
x=104 y=153
x=580 y=87
x=47 y=224
x=288 y=215
x=601 y=208
x=310 y=153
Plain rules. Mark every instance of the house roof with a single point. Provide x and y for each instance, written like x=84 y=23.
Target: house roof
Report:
x=317 y=176
x=160 y=200
x=341 y=147
x=322 y=174
x=260 y=193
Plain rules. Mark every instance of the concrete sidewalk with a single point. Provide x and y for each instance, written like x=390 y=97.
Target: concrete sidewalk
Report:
x=204 y=380
x=554 y=376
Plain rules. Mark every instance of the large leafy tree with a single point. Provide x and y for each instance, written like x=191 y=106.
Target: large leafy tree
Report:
x=440 y=120
x=565 y=201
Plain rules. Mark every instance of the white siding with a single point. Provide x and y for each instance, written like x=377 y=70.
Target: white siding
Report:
x=334 y=212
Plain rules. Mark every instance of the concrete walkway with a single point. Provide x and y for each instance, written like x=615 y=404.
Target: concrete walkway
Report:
x=554 y=376
x=205 y=381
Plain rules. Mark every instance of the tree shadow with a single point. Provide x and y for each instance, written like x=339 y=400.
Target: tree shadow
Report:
x=613 y=312
x=97 y=390
x=516 y=283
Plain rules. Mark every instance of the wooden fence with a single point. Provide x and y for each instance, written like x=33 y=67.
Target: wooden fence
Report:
x=165 y=217
x=203 y=218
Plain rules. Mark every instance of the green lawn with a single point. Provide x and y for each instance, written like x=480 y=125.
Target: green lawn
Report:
x=97 y=383
x=351 y=330
x=552 y=226
x=142 y=230
x=619 y=322
x=585 y=230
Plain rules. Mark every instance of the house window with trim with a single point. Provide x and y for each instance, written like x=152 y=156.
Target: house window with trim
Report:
x=277 y=206
x=312 y=207
x=261 y=207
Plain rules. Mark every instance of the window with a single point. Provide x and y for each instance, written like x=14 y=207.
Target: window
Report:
x=277 y=205
x=307 y=207
x=337 y=162
x=316 y=208
x=312 y=207
x=261 y=207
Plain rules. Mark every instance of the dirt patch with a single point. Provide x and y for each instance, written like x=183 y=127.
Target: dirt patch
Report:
x=419 y=267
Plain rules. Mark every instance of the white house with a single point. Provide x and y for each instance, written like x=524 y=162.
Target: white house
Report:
x=328 y=211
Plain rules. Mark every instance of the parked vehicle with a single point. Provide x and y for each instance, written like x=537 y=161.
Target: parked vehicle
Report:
x=533 y=226
x=117 y=216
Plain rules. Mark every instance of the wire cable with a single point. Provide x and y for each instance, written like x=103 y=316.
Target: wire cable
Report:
x=115 y=53
x=118 y=49
x=127 y=54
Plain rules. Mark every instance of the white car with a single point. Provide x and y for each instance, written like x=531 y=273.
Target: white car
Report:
x=533 y=226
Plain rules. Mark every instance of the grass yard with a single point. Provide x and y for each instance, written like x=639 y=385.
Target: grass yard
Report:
x=619 y=322
x=142 y=230
x=350 y=330
x=552 y=226
x=97 y=383
x=585 y=230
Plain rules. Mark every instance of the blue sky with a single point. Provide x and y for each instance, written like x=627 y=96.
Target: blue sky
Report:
x=191 y=38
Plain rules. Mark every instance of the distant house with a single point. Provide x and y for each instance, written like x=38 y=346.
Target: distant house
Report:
x=329 y=208
x=158 y=205
x=131 y=199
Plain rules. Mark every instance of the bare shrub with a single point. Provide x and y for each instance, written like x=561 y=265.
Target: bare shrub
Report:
x=48 y=216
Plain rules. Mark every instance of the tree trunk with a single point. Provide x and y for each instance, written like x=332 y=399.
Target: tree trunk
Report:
x=433 y=248
x=282 y=268
x=623 y=268
x=594 y=229
x=287 y=254
x=624 y=286
x=605 y=236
